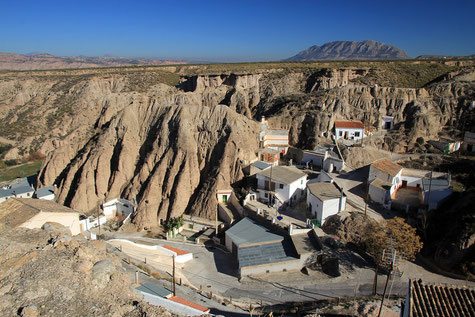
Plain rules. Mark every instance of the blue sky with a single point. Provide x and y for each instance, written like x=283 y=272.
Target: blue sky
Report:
x=231 y=30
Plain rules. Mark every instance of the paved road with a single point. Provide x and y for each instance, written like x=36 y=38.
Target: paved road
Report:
x=353 y=184
x=214 y=270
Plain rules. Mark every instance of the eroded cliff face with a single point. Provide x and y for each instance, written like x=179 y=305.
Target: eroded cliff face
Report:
x=172 y=147
x=171 y=158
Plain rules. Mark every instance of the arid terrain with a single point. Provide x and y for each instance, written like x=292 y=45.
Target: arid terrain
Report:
x=171 y=136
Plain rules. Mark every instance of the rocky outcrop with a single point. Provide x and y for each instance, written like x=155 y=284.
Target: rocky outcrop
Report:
x=173 y=159
x=48 y=273
x=135 y=135
x=350 y=50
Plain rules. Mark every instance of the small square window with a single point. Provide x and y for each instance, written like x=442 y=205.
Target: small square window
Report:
x=281 y=186
x=266 y=195
x=357 y=134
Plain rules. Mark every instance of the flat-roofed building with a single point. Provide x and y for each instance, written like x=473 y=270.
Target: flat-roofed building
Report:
x=325 y=199
x=387 y=171
x=281 y=184
x=258 y=250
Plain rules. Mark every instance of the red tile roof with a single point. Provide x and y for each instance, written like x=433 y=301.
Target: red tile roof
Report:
x=177 y=251
x=349 y=124
x=182 y=301
x=440 y=300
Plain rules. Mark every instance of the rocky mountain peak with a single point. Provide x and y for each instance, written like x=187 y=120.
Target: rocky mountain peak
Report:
x=350 y=50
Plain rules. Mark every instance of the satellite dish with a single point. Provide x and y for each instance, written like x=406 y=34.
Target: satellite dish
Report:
x=279 y=218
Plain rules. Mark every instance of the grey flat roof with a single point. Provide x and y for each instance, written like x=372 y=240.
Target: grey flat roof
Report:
x=247 y=231
x=266 y=254
x=277 y=132
x=436 y=184
x=6 y=193
x=23 y=189
x=154 y=289
x=283 y=174
x=44 y=191
x=261 y=165
x=324 y=191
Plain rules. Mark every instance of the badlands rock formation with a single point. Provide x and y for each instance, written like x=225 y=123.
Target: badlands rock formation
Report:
x=172 y=140
x=50 y=273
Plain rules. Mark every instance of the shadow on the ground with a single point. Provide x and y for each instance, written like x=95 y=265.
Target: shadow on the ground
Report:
x=225 y=261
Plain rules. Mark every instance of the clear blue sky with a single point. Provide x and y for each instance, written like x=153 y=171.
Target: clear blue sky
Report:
x=231 y=30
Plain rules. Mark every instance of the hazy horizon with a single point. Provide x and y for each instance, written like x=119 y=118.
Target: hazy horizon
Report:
x=217 y=31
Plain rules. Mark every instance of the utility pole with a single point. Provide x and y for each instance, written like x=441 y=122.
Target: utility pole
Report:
x=366 y=198
x=174 y=286
x=217 y=220
x=99 y=222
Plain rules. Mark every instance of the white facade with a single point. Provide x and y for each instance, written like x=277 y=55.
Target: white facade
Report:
x=224 y=195
x=349 y=133
x=317 y=159
x=395 y=181
x=117 y=206
x=91 y=222
x=287 y=192
x=322 y=209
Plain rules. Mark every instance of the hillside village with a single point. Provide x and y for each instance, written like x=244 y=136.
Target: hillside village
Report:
x=271 y=225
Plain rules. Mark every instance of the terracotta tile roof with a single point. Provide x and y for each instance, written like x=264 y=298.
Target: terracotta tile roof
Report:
x=387 y=166
x=440 y=300
x=182 y=301
x=177 y=251
x=349 y=124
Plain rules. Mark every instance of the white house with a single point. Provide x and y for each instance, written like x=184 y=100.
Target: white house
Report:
x=117 y=207
x=349 y=130
x=88 y=223
x=273 y=139
x=380 y=192
x=387 y=171
x=324 y=200
x=23 y=191
x=224 y=195
x=281 y=184
x=46 y=193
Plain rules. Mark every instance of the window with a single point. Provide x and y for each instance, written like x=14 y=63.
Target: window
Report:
x=281 y=186
x=357 y=134
x=340 y=133
x=266 y=195
x=301 y=181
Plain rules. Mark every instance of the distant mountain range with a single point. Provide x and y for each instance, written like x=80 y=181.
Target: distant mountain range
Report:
x=350 y=50
x=12 y=61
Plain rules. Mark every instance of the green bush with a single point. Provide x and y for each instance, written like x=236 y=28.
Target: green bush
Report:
x=11 y=162
x=420 y=140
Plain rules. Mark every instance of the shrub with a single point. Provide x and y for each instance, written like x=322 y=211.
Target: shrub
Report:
x=420 y=140
x=11 y=162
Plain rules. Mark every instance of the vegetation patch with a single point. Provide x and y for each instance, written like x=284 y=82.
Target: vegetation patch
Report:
x=11 y=173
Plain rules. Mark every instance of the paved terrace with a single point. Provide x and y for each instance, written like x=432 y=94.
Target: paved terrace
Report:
x=292 y=215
